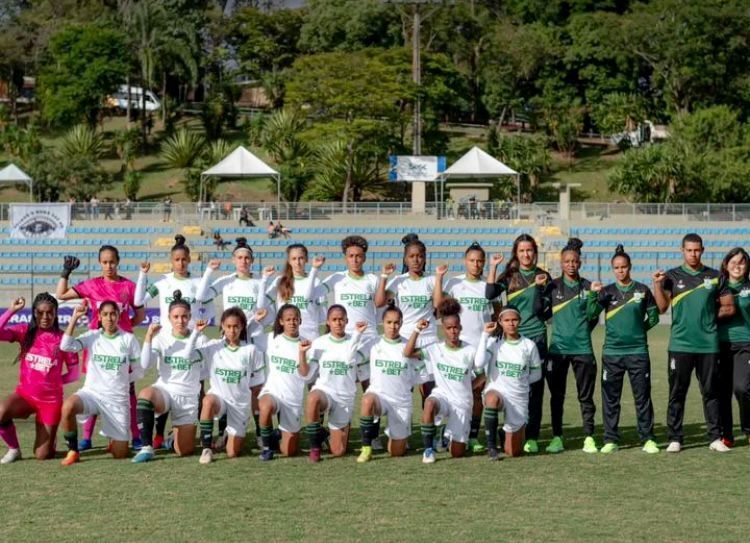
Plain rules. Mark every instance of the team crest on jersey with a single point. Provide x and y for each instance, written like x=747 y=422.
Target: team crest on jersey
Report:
x=708 y=283
x=744 y=293
x=638 y=296
x=680 y=284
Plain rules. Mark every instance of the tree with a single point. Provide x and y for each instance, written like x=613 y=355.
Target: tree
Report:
x=281 y=138
x=82 y=140
x=526 y=154
x=616 y=112
x=85 y=63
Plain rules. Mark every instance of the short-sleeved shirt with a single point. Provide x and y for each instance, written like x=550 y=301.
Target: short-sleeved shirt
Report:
x=571 y=303
x=629 y=312
x=99 y=289
x=736 y=329
x=512 y=365
x=164 y=289
x=230 y=370
x=340 y=364
x=392 y=375
x=414 y=297
x=452 y=368
x=179 y=373
x=695 y=297
x=476 y=309
x=283 y=378
x=357 y=295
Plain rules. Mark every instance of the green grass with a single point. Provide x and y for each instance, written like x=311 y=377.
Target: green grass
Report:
x=627 y=496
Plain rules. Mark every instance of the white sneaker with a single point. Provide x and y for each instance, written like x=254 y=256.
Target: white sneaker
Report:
x=206 y=456
x=675 y=447
x=377 y=444
x=718 y=446
x=11 y=456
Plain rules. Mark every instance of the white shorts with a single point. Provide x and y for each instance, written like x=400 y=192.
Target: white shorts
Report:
x=339 y=413
x=290 y=416
x=182 y=409
x=516 y=412
x=257 y=379
x=399 y=417
x=115 y=415
x=457 y=420
x=236 y=417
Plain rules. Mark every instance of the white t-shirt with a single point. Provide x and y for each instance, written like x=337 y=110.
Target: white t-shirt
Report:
x=511 y=366
x=246 y=293
x=283 y=379
x=113 y=362
x=357 y=295
x=164 y=289
x=414 y=298
x=476 y=310
x=340 y=365
x=451 y=369
x=179 y=373
x=230 y=370
x=312 y=311
x=392 y=375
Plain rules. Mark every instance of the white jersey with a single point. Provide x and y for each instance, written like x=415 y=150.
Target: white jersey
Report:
x=452 y=370
x=476 y=309
x=511 y=366
x=392 y=375
x=112 y=363
x=163 y=290
x=230 y=370
x=340 y=365
x=246 y=293
x=283 y=379
x=414 y=298
x=357 y=295
x=179 y=373
x=312 y=311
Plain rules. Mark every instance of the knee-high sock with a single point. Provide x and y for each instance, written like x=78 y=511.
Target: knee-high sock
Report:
x=490 y=427
x=9 y=435
x=428 y=434
x=161 y=424
x=207 y=433
x=145 y=416
x=135 y=433
x=88 y=427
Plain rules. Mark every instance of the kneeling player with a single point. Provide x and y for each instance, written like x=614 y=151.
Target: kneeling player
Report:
x=513 y=364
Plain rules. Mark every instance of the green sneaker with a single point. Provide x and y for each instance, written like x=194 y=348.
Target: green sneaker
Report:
x=556 y=445
x=608 y=448
x=365 y=455
x=531 y=447
x=476 y=447
x=589 y=445
x=650 y=447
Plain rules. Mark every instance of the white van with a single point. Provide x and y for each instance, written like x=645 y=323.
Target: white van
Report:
x=119 y=99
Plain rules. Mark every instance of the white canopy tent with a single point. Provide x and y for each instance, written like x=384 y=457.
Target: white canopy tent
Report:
x=477 y=164
x=241 y=163
x=13 y=174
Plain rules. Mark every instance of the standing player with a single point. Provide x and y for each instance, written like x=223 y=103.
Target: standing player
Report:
x=288 y=372
x=177 y=389
x=392 y=376
x=451 y=363
x=470 y=291
x=523 y=282
x=40 y=386
x=734 y=338
x=629 y=313
x=573 y=310
x=235 y=367
x=513 y=364
x=113 y=367
x=340 y=364
x=696 y=299
x=110 y=286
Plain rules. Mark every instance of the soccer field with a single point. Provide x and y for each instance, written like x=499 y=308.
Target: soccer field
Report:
x=627 y=496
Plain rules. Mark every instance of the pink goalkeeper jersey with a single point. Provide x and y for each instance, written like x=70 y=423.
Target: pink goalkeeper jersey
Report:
x=41 y=367
x=99 y=290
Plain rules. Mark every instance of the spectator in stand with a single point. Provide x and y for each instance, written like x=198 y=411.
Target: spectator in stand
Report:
x=226 y=210
x=219 y=241
x=167 y=208
x=271 y=229
x=282 y=230
x=94 y=207
x=245 y=217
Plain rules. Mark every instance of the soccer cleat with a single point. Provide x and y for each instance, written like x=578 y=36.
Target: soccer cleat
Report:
x=11 y=456
x=315 y=455
x=377 y=444
x=158 y=442
x=589 y=445
x=207 y=456
x=718 y=446
x=266 y=455
x=650 y=447
x=428 y=456
x=729 y=442
x=556 y=445
x=609 y=448
x=476 y=447
x=365 y=455
x=494 y=455
x=144 y=455
x=136 y=444
x=73 y=457
x=531 y=446
x=674 y=447
x=84 y=445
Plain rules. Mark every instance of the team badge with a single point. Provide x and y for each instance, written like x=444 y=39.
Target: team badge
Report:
x=637 y=296
x=708 y=284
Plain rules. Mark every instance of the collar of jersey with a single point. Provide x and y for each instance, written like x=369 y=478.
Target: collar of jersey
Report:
x=337 y=340
x=692 y=272
x=460 y=345
x=470 y=280
x=392 y=341
x=355 y=277
x=292 y=339
x=242 y=277
x=512 y=341
x=529 y=273
x=301 y=276
x=570 y=283
x=178 y=336
x=228 y=347
x=418 y=278
x=110 y=336
x=627 y=288
x=180 y=278
x=736 y=284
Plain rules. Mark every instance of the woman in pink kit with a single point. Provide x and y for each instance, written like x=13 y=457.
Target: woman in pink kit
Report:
x=109 y=286
x=40 y=386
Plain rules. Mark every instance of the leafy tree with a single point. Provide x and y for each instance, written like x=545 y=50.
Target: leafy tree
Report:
x=281 y=138
x=337 y=170
x=526 y=154
x=85 y=63
x=182 y=149
x=82 y=140
x=616 y=111
x=132 y=184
